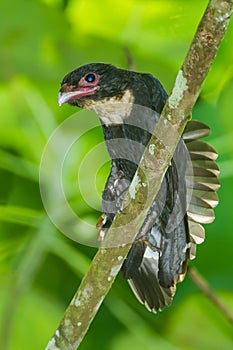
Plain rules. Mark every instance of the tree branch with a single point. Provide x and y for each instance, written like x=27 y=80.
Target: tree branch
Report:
x=203 y=285
x=129 y=58
x=108 y=260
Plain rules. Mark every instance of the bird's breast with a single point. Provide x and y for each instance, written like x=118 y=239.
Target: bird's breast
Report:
x=114 y=110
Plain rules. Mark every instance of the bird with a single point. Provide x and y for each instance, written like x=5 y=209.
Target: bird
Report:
x=129 y=105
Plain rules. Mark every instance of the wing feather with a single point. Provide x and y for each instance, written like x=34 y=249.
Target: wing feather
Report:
x=160 y=266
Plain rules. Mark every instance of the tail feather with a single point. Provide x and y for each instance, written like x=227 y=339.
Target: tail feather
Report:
x=145 y=283
x=195 y=130
x=204 y=198
x=200 y=214
x=146 y=276
x=206 y=164
x=197 y=232
x=199 y=150
x=202 y=182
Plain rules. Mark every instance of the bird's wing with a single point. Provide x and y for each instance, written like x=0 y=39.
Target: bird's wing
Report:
x=145 y=281
x=155 y=266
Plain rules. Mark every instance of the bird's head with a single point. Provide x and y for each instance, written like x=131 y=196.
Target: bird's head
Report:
x=94 y=83
x=111 y=92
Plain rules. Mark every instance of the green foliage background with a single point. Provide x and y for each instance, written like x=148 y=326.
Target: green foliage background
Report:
x=40 y=268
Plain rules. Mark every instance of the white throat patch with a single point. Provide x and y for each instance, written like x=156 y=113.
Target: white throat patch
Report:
x=113 y=111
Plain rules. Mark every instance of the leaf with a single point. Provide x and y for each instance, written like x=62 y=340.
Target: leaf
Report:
x=197 y=324
x=30 y=332
x=19 y=215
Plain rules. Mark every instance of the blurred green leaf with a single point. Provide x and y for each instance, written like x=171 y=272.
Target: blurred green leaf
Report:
x=209 y=328
x=19 y=215
x=18 y=166
x=30 y=331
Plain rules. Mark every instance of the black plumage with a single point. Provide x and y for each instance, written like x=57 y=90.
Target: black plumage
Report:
x=129 y=105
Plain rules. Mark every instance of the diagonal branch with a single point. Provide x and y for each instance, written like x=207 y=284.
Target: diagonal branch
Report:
x=108 y=261
x=203 y=285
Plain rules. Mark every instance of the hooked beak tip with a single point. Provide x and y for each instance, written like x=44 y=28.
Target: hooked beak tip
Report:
x=64 y=97
x=60 y=99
